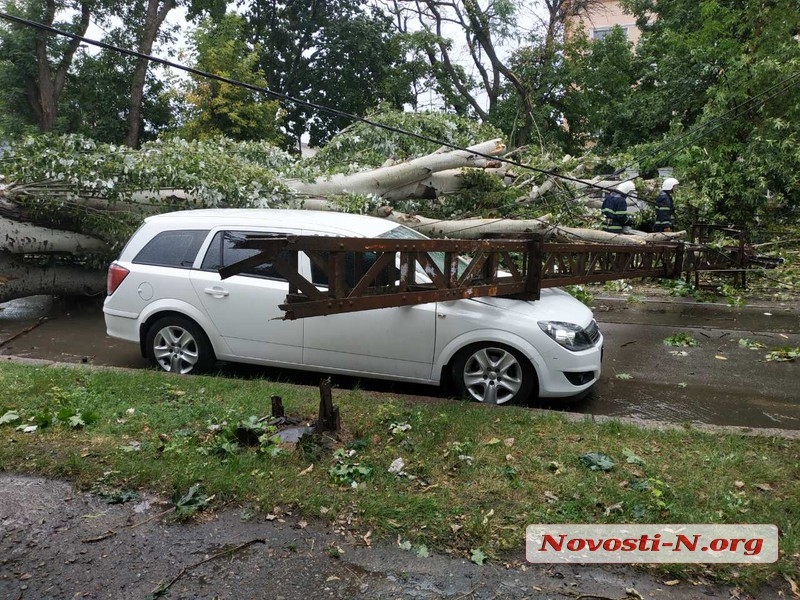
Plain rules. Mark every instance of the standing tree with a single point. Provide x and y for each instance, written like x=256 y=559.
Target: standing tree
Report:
x=221 y=108
x=482 y=28
x=336 y=53
x=97 y=99
x=150 y=15
x=498 y=60
x=36 y=63
x=599 y=103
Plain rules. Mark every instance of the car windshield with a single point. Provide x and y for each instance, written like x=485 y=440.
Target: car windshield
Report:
x=401 y=232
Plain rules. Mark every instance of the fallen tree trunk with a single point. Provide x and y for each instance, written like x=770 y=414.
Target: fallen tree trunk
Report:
x=573 y=234
x=26 y=238
x=41 y=257
x=385 y=179
x=19 y=279
x=468 y=229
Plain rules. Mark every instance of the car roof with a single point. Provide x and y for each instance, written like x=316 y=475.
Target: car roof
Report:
x=316 y=220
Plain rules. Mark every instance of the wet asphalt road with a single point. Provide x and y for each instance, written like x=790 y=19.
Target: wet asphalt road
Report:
x=720 y=382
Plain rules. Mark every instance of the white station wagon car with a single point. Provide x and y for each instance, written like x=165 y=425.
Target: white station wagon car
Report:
x=165 y=293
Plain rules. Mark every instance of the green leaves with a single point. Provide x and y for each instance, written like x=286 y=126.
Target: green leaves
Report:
x=785 y=354
x=346 y=471
x=54 y=174
x=478 y=556
x=220 y=108
x=69 y=417
x=191 y=502
x=681 y=340
x=596 y=461
x=9 y=417
x=751 y=344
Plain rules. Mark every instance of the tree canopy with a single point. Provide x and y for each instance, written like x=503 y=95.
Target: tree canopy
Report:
x=336 y=53
x=725 y=90
x=710 y=89
x=217 y=108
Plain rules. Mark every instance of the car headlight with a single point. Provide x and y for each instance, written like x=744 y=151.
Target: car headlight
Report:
x=572 y=337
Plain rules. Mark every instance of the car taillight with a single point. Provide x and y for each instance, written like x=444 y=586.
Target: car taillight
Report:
x=116 y=275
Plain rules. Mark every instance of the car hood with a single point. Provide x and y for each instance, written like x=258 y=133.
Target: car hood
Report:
x=553 y=305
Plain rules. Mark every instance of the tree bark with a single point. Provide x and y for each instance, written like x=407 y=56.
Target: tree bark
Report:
x=44 y=94
x=385 y=179
x=467 y=229
x=19 y=279
x=26 y=238
x=154 y=18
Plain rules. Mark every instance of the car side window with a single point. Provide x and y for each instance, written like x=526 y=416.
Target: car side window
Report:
x=320 y=277
x=223 y=252
x=172 y=248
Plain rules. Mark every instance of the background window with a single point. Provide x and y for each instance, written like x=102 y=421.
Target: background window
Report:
x=598 y=33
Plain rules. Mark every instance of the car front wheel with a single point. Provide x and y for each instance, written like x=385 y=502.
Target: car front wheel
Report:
x=492 y=373
x=177 y=345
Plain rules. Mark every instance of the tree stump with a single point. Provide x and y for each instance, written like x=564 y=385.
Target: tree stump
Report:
x=277 y=407
x=329 y=419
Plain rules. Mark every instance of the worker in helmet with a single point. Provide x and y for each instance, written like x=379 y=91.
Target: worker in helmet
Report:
x=615 y=208
x=665 y=206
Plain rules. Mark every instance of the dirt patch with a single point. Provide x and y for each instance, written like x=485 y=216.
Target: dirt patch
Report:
x=58 y=543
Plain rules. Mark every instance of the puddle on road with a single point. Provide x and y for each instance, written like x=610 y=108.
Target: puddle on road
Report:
x=750 y=318
x=73 y=332
x=690 y=405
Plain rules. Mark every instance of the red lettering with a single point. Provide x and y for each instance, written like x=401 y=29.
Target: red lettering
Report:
x=576 y=544
x=753 y=547
x=718 y=544
x=629 y=545
x=594 y=545
x=612 y=545
x=682 y=540
x=549 y=539
x=656 y=542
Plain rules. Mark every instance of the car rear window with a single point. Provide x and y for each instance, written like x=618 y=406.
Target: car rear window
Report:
x=172 y=248
x=223 y=252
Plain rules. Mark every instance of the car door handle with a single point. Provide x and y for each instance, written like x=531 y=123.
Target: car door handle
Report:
x=217 y=292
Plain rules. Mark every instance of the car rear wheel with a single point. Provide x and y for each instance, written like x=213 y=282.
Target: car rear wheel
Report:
x=492 y=373
x=177 y=345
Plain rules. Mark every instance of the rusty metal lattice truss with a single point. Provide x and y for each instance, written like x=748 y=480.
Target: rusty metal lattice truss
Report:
x=353 y=274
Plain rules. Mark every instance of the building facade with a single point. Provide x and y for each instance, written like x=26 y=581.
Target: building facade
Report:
x=601 y=16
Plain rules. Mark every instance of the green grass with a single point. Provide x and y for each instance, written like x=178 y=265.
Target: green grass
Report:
x=474 y=476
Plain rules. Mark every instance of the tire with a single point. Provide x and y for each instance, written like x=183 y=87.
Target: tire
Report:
x=493 y=374
x=178 y=345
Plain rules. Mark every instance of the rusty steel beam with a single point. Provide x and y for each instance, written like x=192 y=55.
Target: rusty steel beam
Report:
x=570 y=264
x=355 y=274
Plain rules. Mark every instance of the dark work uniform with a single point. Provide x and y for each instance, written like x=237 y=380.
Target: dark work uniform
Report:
x=665 y=209
x=615 y=210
